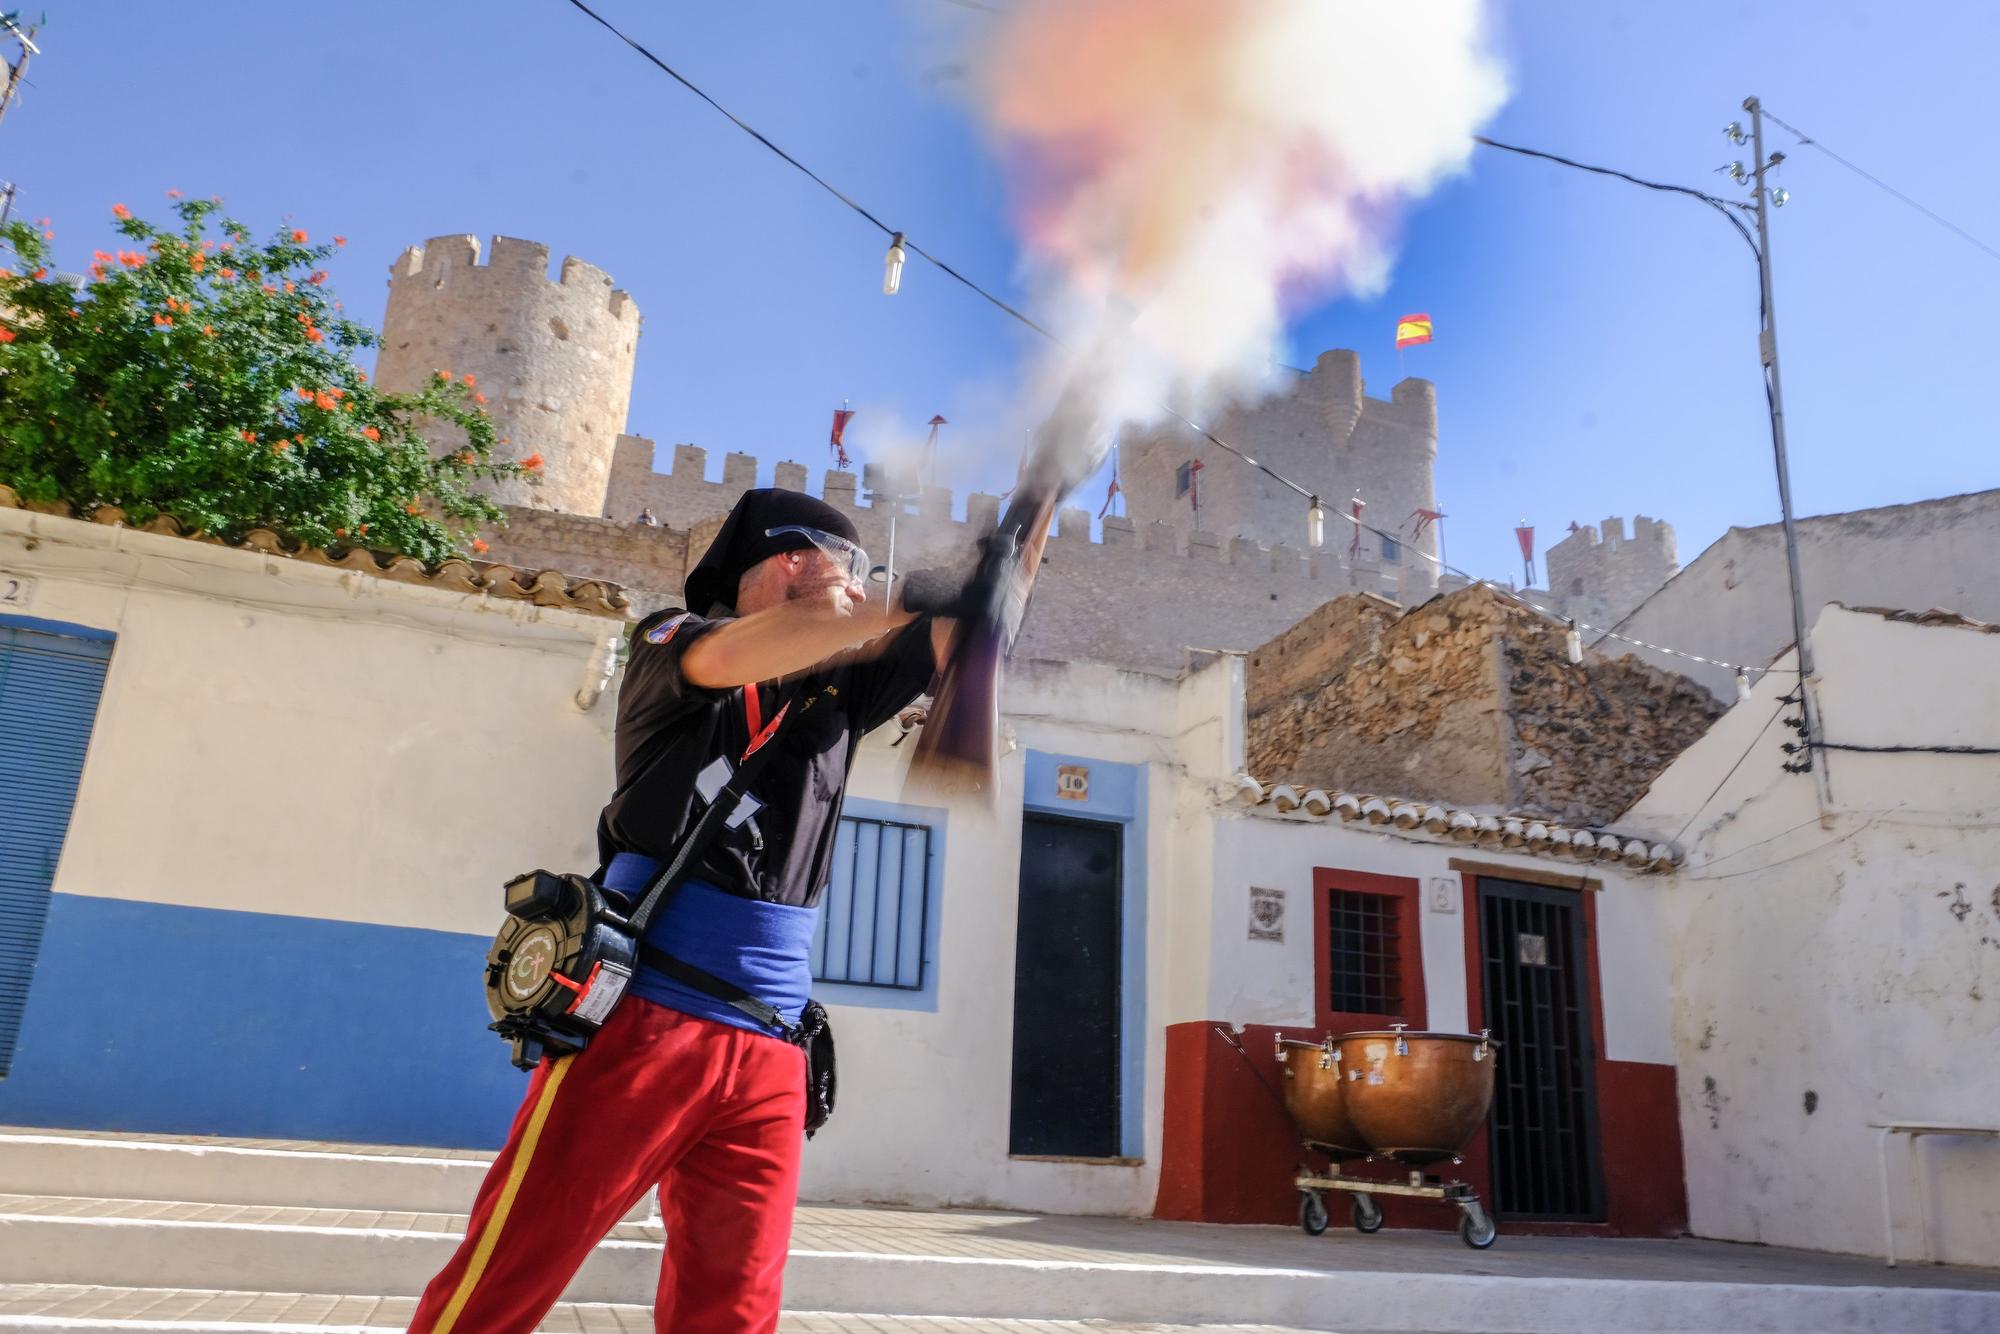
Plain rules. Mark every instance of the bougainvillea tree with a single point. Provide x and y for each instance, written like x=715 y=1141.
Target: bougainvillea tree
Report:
x=212 y=377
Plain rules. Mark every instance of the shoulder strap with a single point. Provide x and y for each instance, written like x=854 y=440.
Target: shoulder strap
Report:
x=712 y=820
x=720 y=988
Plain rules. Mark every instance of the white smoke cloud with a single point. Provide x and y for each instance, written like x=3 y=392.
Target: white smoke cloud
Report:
x=1218 y=163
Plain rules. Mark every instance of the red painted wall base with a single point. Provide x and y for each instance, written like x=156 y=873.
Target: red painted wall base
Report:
x=1229 y=1153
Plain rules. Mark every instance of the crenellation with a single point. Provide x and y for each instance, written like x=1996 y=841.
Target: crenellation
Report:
x=1202 y=545
x=1163 y=536
x=1249 y=552
x=739 y=471
x=935 y=503
x=837 y=489
x=982 y=512
x=789 y=476
x=1118 y=531
x=690 y=463
x=1597 y=575
x=512 y=255
x=1073 y=526
x=1613 y=529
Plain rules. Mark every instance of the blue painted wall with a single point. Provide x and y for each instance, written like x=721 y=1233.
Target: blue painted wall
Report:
x=156 y=1017
x=1117 y=796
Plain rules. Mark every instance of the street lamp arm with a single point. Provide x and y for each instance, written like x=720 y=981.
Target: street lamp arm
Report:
x=1725 y=207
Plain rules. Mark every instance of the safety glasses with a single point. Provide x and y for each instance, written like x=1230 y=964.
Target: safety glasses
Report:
x=843 y=553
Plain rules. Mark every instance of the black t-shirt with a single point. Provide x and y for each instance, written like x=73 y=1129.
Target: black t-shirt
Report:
x=670 y=730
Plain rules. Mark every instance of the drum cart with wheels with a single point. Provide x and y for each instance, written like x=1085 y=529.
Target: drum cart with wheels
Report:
x=1475 y=1225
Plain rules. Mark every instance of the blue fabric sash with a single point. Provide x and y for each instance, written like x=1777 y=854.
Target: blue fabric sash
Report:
x=762 y=947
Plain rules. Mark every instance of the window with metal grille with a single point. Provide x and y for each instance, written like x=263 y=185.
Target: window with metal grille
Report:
x=1392 y=550
x=1364 y=957
x=874 y=916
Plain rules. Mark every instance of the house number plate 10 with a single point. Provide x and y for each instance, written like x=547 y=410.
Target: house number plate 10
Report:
x=16 y=590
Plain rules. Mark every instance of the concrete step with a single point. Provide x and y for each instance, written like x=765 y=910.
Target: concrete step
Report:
x=208 y=1170
x=1003 y=1267
x=54 y=1308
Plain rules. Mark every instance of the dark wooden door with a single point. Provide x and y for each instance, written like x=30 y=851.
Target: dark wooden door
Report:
x=1536 y=981
x=1066 y=988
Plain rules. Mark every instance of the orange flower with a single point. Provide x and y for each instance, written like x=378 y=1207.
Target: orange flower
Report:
x=444 y=377
x=228 y=246
x=97 y=270
x=272 y=290
x=120 y=211
x=100 y=257
x=48 y=236
x=289 y=289
x=280 y=446
x=300 y=437
x=197 y=261
x=305 y=395
x=315 y=336
x=39 y=274
x=173 y=194
x=318 y=277
x=533 y=461
x=337 y=392
x=370 y=433
x=6 y=335
x=470 y=381
x=340 y=240
x=324 y=402
x=361 y=376
x=413 y=509
x=478 y=546
x=298 y=237
x=479 y=396
x=228 y=275
x=249 y=437
x=465 y=456
x=208 y=330
x=362 y=530
x=340 y=532
x=164 y=321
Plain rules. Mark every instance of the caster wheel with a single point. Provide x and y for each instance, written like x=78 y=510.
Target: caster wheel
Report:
x=1367 y=1214
x=1312 y=1213
x=1478 y=1232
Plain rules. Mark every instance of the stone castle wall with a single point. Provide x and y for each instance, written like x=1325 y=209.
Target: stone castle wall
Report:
x=1324 y=433
x=1599 y=575
x=554 y=359
x=1140 y=597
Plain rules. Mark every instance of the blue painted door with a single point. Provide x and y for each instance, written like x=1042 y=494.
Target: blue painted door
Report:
x=50 y=679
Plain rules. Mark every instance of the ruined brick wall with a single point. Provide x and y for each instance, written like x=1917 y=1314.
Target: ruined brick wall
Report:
x=554 y=359
x=1471 y=699
x=1316 y=649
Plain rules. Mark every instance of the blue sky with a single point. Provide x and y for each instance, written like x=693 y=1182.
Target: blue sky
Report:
x=1596 y=343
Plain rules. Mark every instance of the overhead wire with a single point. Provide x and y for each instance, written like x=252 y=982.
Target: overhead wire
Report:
x=1721 y=205
x=1942 y=221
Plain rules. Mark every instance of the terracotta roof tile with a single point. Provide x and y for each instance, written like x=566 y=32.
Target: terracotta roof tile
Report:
x=1525 y=834
x=544 y=588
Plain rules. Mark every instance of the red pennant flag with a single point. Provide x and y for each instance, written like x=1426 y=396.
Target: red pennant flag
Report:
x=841 y=416
x=1110 y=492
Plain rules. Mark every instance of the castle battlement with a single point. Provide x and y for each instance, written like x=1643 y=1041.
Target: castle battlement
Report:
x=1598 y=574
x=441 y=256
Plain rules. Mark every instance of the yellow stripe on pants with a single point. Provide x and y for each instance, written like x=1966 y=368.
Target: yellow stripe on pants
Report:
x=490 y=1237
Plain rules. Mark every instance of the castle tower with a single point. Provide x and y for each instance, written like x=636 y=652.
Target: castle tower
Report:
x=1598 y=579
x=554 y=359
x=1324 y=433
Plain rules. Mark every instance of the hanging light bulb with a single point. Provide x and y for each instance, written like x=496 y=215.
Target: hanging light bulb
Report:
x=1779 y=196
x=892 y=266
x=1574 y=642
x=1742 y=684
x=1316 y=524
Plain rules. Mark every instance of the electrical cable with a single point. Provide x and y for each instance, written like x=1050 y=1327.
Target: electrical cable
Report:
x=1893 y=750
x=1881 y=184
x=1720 y=205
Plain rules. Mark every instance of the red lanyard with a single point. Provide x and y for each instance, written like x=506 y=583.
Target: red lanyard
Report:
x=753 y=718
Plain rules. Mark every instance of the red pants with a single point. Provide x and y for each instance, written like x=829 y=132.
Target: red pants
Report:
x=713 y=1115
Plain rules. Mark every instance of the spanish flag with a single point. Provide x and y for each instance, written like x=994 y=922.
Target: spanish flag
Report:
x=1411 y=330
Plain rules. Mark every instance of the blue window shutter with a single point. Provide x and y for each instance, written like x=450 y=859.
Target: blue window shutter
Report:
x=49 y=686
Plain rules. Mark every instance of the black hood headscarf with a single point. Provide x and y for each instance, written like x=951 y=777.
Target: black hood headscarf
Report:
x=742 y=543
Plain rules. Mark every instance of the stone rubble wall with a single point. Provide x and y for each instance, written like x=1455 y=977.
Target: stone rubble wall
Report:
x=1470 y=699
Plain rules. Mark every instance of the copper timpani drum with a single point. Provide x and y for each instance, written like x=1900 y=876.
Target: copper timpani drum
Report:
x=1415 y=1097
x=1315 y=1098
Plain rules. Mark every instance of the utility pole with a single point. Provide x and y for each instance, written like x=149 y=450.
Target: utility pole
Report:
x=1767 y=348
x=19 y=69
